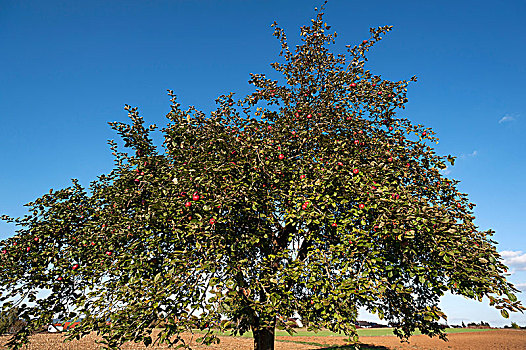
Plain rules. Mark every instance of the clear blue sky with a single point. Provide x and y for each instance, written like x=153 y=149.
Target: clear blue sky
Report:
x=68 y=67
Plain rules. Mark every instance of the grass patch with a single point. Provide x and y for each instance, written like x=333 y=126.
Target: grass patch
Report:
x=380 y=332
x=362 y=332
x=334 y=347
x=369 y=332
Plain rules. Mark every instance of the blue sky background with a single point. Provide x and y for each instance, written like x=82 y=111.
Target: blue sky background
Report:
x=68 y=67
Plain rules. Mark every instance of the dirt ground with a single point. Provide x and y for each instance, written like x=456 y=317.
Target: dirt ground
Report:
x=490 y=340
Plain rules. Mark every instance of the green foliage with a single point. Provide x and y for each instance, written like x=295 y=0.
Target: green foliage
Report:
x=9 y=322
x=308 y=196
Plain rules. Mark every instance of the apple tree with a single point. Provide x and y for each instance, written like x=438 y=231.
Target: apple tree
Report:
x=310 y=196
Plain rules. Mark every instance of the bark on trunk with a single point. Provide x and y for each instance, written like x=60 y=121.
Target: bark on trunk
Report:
x=264 y=338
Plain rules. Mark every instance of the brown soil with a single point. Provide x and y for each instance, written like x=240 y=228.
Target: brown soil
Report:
x=490 y=340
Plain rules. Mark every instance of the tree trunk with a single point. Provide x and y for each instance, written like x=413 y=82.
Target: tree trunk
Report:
x=264 y=338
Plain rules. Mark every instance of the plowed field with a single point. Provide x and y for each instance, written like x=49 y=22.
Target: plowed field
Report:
x=488 y=340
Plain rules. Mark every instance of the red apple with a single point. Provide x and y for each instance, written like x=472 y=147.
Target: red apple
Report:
x=379 y=92
x=390 y=159
x=340 y=163
x=281 y=156
x=59 y=279
x=28 y=249
x=35 y=239
x=355 y=171
x=195 y=197
x=309 y=116
x=212 y=221
x=353 y=84
x=76 y=266
x=390 y=128
x=334 y=224
x=108 y=253
x=364 y=42
x=424 y=133
x=361 y=206
x=188 y=204
x=302 y=176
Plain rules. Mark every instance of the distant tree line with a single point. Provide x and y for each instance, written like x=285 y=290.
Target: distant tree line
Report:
x=482 y=324
x=514 y=325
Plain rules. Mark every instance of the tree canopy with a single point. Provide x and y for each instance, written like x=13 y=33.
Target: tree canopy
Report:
x=308 y=197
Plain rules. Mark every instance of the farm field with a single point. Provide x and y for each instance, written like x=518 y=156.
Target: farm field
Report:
x=497 y=339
